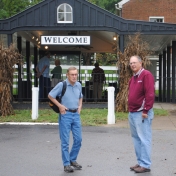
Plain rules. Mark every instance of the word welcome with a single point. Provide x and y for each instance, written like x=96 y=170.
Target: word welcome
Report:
x=65 y=40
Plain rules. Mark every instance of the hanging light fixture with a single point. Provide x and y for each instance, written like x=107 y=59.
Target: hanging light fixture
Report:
x=46 y=47
x=34 y=38
x=115 y=38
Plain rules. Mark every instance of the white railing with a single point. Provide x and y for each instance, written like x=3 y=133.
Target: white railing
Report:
x=84 y=76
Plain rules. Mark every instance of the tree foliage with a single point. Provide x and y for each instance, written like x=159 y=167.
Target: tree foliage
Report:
x=106 y=59
x=106 y=4
x=12 y=7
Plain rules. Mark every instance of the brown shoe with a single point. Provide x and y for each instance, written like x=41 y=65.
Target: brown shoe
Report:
x=134 y=167
x=141 y=169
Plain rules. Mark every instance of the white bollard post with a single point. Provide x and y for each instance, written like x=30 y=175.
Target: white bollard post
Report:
x=111 y=112
x=35 y=92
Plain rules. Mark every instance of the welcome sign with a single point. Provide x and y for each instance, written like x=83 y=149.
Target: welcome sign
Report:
x=65 y=40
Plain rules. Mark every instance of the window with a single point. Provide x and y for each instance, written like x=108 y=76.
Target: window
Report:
x=157 y=19
x=64 y=13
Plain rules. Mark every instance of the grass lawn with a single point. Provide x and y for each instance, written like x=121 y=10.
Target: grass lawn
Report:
x=89 y=117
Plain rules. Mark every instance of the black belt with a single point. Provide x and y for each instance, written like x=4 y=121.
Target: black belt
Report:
x=72 y=110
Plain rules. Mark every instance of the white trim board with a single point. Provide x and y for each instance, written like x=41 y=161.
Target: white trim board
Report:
x=122 y=2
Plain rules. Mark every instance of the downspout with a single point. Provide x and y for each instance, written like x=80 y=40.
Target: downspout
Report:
x=118 y=10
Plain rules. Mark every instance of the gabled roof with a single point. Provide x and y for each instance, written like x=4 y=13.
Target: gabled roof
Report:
x=86 y=17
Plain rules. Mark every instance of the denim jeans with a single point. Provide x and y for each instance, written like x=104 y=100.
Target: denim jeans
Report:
x=70 y=122
x=141 y=131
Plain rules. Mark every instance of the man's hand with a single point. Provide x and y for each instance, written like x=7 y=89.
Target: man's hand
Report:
x=79 y=109
x=144 y=115
x=38 y=74
x=62 y=109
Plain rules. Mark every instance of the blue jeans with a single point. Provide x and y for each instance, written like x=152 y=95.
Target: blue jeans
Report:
x=142 y=136
x=70 y=122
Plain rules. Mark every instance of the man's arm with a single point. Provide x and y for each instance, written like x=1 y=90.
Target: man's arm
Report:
x=104 y=77
x=61 y=107
x=80 y=105
x=149 y=89
x=40 y=73
x=43 y=69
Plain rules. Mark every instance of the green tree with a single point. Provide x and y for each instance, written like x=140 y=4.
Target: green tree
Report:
x=12 y=7
x=106 y=59
x=106 y=4
x=110 y=5
x=33 y=2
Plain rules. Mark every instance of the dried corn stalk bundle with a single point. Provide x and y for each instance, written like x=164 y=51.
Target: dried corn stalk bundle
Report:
x=136 y=46
x=8 y=58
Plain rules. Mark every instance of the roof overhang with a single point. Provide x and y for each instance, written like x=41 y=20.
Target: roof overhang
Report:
x=101 y=41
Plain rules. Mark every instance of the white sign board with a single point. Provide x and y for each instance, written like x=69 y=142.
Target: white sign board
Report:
x=65 y=40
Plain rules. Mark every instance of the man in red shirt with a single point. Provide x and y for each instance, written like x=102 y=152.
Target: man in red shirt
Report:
x=140 y=105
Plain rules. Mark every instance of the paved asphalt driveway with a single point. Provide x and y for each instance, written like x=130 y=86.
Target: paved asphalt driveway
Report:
x=34 y=150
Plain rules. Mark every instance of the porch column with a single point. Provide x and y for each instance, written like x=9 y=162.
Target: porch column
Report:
x=35 y=64
x=28 y=64
x=164 y=77
x=173 y=70
x=160 y=78
x=121 y=43
x=168 y=74
x=121 y=47
x=9 y=42
x=20 y=90
x=79 y=76
x=9 y=39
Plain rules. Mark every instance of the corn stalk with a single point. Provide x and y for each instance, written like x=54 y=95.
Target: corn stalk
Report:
x=135 y=46
x=8 y=58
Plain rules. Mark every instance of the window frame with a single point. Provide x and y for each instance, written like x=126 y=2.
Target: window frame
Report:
x=65 y=13
x=156 y=17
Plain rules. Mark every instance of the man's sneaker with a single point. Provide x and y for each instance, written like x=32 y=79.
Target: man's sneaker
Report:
x=68 y=169
x=76 y=165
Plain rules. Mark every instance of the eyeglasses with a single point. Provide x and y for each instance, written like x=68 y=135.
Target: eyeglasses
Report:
x=133 y=63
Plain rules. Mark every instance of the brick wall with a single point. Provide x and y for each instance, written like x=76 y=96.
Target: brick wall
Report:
x=143 y=9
